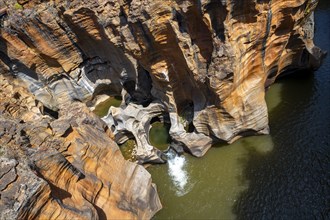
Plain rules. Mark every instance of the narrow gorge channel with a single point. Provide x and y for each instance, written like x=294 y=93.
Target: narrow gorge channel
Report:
x=282 y=174
x=164 y=109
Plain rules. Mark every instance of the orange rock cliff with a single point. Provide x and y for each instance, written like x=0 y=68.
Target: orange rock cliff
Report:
x=203 y=66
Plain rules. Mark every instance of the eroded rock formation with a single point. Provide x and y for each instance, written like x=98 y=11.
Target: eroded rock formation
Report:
x=205 y=64
x=208 y=59
x=66 y=168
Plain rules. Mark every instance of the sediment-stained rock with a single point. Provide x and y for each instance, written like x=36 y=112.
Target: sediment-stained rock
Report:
x=134 y=121
x=207 y=62
x=203 y=64
x=65 y=168
x=210 y=59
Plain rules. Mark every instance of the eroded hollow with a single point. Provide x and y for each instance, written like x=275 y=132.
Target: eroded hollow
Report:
x=102 y=108
x=128 y=150
x=50 y=112
x=159 y=133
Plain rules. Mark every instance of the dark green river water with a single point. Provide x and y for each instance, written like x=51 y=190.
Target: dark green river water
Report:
x=285 y=175
x=102 y=108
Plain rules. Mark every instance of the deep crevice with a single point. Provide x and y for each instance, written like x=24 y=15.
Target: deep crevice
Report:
x=50 y=112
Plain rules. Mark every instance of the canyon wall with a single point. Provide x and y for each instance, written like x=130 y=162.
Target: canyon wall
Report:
x=207 y=62
x=201 y=66
x=66 y=168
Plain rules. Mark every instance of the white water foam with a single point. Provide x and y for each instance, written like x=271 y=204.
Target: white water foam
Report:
x=178 y=173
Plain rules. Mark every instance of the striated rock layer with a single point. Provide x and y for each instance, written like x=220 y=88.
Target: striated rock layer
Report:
x=66 y=168
x=202 y=65
x=208 y=62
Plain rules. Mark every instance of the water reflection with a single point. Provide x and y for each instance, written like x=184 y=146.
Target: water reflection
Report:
x=273 y=98
x=292 y=182
x=204 y=188
x=159 y=135
x=285 y=175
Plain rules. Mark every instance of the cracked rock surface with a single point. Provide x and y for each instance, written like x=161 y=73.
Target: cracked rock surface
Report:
x=66 y=168
x=203 y=64
x=208 y=62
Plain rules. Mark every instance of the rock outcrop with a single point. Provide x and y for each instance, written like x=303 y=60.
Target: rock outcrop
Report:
x=134 y=121
x=66 y=168
x=210 y=60
x=202 y=64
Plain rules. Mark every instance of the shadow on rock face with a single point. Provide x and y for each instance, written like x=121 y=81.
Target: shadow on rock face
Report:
x=291 y=181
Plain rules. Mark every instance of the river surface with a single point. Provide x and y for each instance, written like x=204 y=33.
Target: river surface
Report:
x=285 y=175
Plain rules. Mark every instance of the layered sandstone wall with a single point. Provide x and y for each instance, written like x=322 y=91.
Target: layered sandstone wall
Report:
x=66 y=168
x=199 y=64
x=208 y=62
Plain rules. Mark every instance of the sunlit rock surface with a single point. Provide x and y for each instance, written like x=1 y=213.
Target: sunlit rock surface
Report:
x=135 y=120
x=207 y=62
x=203 y=64
x=66 y=168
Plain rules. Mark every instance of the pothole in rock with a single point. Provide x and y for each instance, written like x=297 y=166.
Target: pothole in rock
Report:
x=159 y=135
x=102 y=108
x=128 y=150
